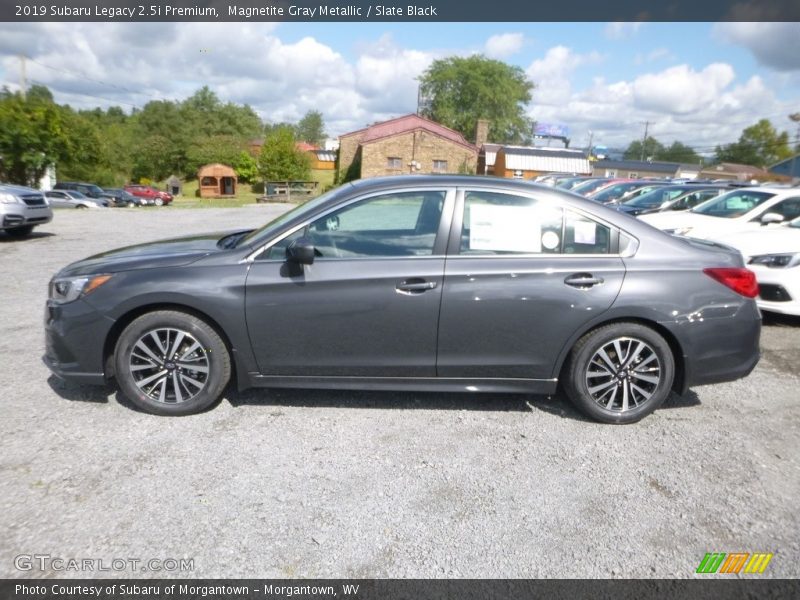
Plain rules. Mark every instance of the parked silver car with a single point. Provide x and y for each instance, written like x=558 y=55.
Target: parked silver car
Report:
x=73 y=199
x=21 y=209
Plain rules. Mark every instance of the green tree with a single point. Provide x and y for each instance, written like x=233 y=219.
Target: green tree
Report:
x=33 y=136
x=652 y=149
x=311 y=128
x=281 y=160
x=681 y=153
x=759 y=145
x=246 y=167
x=223 y=149
x=458 y=91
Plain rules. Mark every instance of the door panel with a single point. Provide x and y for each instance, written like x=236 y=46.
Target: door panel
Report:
x=345 y=317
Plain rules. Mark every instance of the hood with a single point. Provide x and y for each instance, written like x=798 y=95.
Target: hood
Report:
x=163 y=253
x=774 y=240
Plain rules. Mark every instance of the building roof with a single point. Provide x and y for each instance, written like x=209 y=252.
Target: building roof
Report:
x=788 y=166
x=326 y=155
x=406 y=124
x=305 y=146
x=738 y=168
x=215 y=170
x=656 y=166
x=553 y=160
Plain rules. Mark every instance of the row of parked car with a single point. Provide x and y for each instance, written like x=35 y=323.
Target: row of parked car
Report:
x=70 y=194
x=761 y=221
x=23 y=208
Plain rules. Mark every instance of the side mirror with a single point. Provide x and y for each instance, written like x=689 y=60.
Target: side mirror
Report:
x=771 y=217
x=301 y=252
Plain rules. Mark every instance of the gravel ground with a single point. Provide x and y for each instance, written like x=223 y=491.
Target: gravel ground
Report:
x=343 y=484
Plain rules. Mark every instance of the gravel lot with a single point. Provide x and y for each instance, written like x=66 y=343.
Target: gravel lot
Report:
x=342 y=484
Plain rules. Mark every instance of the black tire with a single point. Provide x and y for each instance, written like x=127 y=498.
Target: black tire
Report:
x=132 y=370
x=131 y=204
x=81 y=206
x=20 y=231
x=159 y=202
x=642 y=384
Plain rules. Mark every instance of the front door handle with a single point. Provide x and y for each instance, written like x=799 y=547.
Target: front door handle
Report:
x=583 y=280
x=415 y=285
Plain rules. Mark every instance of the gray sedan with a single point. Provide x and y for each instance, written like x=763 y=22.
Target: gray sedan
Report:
x=446 y=283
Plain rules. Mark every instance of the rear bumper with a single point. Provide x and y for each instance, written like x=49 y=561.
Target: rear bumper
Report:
x=717 y=350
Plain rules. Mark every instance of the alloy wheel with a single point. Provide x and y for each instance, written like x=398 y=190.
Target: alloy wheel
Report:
x=169 y=365
x=623 y=374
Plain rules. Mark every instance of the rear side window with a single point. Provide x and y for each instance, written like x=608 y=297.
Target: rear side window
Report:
x=506 y=224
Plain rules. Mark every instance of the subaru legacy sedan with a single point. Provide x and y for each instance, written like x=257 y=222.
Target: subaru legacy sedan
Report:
x=428 y=283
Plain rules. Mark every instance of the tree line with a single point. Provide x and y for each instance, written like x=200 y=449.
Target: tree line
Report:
x=163 y=138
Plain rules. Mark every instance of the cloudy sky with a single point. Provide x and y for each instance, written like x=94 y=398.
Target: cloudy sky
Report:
x=700 y=83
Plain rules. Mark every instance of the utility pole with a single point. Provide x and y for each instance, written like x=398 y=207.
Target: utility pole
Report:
x=796 y=118
x=591 y=137
x=644 y=139
x=23 y=79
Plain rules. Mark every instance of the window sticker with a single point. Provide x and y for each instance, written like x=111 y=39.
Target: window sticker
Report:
x=585 y=232
x=505 y=228
x=550 y=240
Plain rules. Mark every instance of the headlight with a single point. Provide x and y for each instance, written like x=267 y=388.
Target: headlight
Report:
x=70 y=289
x=777 y=261
x=6 y=198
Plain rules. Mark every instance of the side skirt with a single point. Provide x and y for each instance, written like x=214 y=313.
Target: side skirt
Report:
x=418 y=384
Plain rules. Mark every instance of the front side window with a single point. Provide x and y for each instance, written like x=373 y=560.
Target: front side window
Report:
x=390 y=225
x=502 y=224
x=788 y=209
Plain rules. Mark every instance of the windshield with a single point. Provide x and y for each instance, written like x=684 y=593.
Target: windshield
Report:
x=262 y=233
x=590 y=186
x=657 y=197
x=733 y=204
x=614 y=191
x=77 y=195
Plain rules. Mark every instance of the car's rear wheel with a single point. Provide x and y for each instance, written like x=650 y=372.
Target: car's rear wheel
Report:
x=81 y=206
x=131 y=204
x=20 y=231
x=619 y=373
x=171 y=363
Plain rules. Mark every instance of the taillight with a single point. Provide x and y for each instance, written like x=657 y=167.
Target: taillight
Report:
x=740 y=280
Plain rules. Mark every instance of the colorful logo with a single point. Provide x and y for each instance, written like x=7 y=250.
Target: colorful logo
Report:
x=744 y=562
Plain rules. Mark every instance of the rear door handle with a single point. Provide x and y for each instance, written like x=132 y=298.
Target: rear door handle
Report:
x=415 y=285
x=583 y=280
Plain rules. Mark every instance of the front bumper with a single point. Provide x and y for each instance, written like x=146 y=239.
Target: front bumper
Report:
x=21 y=215
x=74 y=337
x=779 y=289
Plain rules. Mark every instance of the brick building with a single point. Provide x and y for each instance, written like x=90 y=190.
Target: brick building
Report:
x=408 y=144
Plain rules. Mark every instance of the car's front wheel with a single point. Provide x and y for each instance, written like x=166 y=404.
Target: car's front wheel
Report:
x=159 y=202
x=619 y=373
x=171 y=363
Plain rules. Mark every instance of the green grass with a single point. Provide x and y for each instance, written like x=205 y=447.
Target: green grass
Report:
x=244 y=196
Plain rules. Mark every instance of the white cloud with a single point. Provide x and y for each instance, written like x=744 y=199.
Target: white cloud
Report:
x=775 y=45
x=622 y=30
x=680 y=89
x=504 y=45
x=551 y=74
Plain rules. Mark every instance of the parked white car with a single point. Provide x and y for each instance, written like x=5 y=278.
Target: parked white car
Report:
x=741 y=209
x=774 y=256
